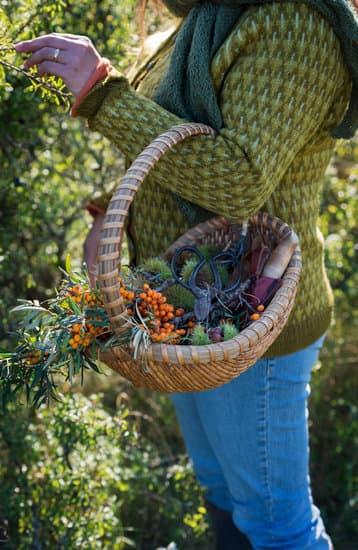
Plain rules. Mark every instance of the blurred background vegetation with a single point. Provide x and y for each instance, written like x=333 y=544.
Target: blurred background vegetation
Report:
x=106 y=468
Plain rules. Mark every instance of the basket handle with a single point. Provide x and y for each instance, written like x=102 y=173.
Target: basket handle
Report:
x=110 y=245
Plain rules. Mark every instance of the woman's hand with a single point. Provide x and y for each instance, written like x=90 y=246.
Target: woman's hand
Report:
x=70 y=57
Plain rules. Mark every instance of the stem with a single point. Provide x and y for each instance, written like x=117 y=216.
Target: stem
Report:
x=7 y=49
x=36 y=79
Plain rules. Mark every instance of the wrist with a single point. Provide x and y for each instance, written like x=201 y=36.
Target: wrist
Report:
x=101 y=71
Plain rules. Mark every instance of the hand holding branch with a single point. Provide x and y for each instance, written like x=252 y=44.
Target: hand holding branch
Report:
x=72 y=58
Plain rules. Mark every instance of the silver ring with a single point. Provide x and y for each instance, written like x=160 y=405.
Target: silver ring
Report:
x=56 y=53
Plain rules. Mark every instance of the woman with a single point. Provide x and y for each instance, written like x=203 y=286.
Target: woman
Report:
x=278 y=81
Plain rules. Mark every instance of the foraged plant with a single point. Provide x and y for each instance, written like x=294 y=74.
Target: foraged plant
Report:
x=55 y=340
x=60 y=338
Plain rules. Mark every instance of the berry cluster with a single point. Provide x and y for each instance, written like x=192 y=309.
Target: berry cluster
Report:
x=149 y=309
x=161 y=319
x=93 y=325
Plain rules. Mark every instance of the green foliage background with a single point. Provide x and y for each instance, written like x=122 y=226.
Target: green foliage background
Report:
x=110 y=471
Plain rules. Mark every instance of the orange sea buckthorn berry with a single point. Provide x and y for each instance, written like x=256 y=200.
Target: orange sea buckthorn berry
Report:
x=33 y=357
x=255 y=317
x=260 y=307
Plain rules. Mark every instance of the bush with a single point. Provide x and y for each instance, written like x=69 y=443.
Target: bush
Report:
x=76 y=476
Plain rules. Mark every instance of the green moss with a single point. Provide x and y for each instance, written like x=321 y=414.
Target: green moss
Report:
x=158 y=266
x=205 y=273
x=208 y=250
x=199 y=337
x=229 y=331
x=180 y=297
x=189 y=267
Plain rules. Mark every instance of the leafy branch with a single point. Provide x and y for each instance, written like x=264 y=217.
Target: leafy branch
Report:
x=57 y=340
x=53 y=86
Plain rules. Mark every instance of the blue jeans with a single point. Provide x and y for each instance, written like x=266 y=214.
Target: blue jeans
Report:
x=248 y=442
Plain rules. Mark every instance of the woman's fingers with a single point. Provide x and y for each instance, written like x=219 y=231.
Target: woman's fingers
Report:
x=72 y=58
x=48 y=40
x=56 y=55
x=50 y=67
x=56 y=40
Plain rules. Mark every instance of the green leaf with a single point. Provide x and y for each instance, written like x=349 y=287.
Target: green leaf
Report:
x=68 y=262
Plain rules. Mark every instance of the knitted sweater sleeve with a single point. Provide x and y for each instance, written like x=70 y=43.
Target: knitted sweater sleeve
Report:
x=277 y=76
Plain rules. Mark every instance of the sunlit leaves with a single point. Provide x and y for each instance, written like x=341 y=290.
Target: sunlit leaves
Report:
x=50 y=164
x=89 y=477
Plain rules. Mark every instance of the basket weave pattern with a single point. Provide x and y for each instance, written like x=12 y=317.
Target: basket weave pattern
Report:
x=178 y=368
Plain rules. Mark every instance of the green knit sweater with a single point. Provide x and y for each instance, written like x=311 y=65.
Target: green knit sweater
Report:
x=187 y=88
x=282 y=84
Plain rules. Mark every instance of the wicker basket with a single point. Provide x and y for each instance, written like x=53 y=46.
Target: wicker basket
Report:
x=177 y=368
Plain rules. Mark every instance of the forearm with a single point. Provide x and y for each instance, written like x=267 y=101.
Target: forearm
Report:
x=221 y=169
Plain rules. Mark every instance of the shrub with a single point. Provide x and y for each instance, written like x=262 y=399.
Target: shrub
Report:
x=76 y=476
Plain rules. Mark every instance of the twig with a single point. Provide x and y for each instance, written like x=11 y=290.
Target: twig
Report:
x=36 y=79
x=7 y=49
